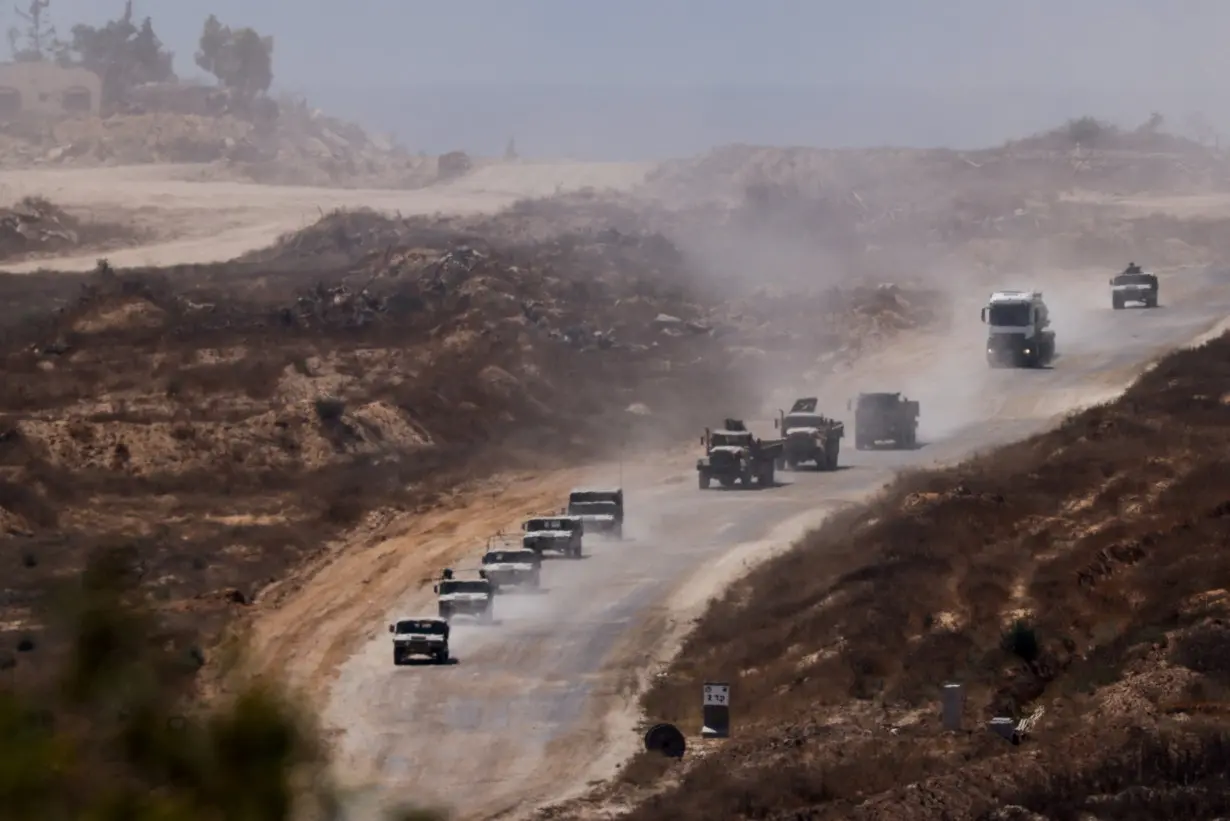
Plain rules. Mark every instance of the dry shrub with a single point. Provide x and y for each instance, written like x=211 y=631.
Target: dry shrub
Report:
x=1042 y=573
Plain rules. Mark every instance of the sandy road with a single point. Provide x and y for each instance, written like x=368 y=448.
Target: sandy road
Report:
x=208 y=221
x=543 y=701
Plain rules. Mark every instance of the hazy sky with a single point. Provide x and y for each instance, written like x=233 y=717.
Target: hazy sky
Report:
x=384 y=60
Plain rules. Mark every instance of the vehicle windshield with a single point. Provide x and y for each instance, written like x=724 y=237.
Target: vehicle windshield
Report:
x=737 y=440
x=592 y=507
x=1015 y=314
x=506 y=556
x=464 y=587
x=877 y=401
x=563 y=525
x=804 y=420
x=1133 y=279
x=435 y=628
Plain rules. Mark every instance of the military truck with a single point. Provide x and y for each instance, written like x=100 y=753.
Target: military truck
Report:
x=884 y=417
x=733 y=455
x=602 y=509
x=1018 y=330
x=473 y=598
x=419 y=637
x=1133 y=285
x=808 y=436
x=560 y=534
x=518 y=567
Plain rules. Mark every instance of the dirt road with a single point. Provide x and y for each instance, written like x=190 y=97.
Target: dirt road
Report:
x=543 y=701
x=217 y=221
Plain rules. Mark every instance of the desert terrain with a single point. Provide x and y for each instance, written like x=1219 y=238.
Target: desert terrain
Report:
x=285 y=408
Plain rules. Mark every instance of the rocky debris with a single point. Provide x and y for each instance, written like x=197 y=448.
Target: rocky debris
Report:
x=593 y=290
x=36 y=225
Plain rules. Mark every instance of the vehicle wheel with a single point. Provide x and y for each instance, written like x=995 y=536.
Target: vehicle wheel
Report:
x=441 y=657
x=486 y=617
x=703 y=481
x=397 y=660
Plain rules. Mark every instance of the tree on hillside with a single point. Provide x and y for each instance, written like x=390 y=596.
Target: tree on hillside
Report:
x=121 y=53
x=241 y=59
x=39 y=36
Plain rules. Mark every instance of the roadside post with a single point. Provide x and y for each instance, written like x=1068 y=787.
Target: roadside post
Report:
x=715 y=710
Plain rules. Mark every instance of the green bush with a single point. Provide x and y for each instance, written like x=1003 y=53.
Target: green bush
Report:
x=115 y=738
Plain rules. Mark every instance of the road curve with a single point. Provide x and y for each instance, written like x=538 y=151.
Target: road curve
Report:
x=522 y=718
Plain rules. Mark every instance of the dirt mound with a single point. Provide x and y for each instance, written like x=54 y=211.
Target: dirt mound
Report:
x=940 y=208
x=1067 y=581
x=297 y=145
x=35 y=227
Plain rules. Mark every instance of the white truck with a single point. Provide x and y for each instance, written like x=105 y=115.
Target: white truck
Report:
x=1018 y=330
x=473 y=598
x=419 y=637
x=512 y=568
x=559 y=534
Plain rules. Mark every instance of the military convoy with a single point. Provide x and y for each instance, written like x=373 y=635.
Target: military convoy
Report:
x=507 y=562
x=1133 y=285
x=734 y=456
x=808 y=436
x=884 y=417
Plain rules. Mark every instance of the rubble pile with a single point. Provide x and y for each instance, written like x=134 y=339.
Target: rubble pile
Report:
x=296 y=145
x=595 y=290
x=35 y=225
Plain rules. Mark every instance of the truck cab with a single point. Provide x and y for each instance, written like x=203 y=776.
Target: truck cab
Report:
x=473 y=598
x=884 y=417
x=809 y=436
x=513 y=567
x=1133 y=284
x=420 y=637
x=734 y=455
x=559 y=534
x=1018 y=330
x=601 y=509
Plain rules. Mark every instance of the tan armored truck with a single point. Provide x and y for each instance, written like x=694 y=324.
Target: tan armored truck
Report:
x=808 y=436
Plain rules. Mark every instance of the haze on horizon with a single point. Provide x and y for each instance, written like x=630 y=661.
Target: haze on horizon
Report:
x=644 y=79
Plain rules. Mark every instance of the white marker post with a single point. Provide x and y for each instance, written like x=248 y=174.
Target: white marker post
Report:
x=715 y=721
x=953 y=702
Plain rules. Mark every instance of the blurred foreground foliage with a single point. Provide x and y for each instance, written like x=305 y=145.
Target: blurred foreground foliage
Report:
x=116 y=737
